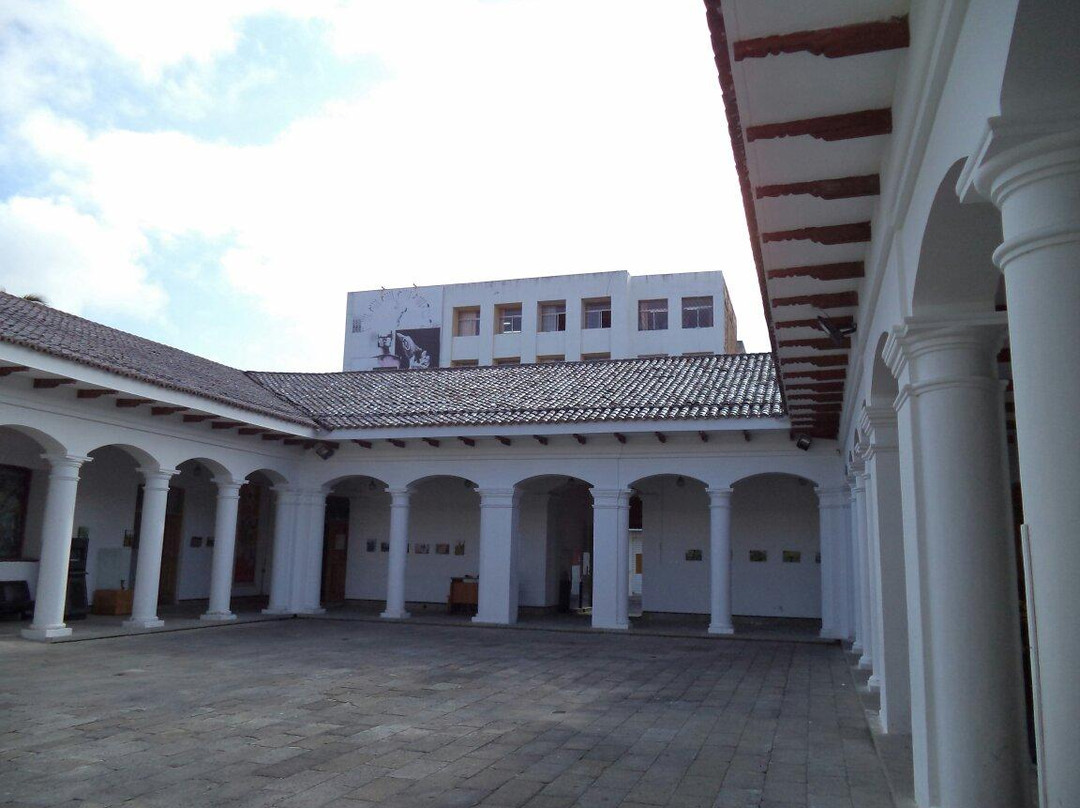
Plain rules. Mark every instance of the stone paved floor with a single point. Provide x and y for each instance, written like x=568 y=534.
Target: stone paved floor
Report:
x=352 y=714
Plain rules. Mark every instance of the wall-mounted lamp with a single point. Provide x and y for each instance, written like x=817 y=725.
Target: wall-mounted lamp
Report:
x=323 y=451
x=803 y=441
x=837 y=333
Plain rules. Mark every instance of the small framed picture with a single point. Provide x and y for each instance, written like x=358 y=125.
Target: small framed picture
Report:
x=129 y=538
x=759 y=556
x=442 y=549
x=371 y=545
x=459 y=548
x=196 y=541
x=792 y=557
x=209 y=541
x=384 y=547
x=423 y=549
x=693 y=554
x=817 y=558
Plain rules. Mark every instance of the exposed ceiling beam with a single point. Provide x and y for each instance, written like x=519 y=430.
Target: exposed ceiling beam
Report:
x=833 y=188
x=849 y=233
x=467 y=441
x=94 y=393
x=822 y=344
x=280 y=437
x=431 y=442
x=822 y=272
x=839 y=322
x=225 y=424
x=541 y=440
x=196 y=419
x=580 y=439
x=7 y=370
x=503 y=440
x=849 y=125
x=251 y=430
x=838 y=373
x=703 y=435
x=129 y=403
x=363 y=444
x=660 y=436
x=167 y=410
x=817 y=387
x=620 y=437
x=832 y=43
x=48 y=384
x=828 y=360
x=398 y=443
x=835 y=300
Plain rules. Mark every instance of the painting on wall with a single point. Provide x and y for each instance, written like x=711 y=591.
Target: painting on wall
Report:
x=423 y=549
x=371 y=545
x=14 y=492
x=384 y=547
x=442 y=549
x=459 y=548
x=759 y=556
x=792 y=557
x=693 y=554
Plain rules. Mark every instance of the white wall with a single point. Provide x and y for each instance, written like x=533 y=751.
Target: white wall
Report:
x=200 y=502
x=675 y=519
x=775 y=512
x=105 y=506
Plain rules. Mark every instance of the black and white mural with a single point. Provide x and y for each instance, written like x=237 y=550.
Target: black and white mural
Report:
x=397 y=329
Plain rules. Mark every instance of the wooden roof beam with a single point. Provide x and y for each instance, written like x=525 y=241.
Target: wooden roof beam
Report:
x=7 y=370
x=847 y=126
x=833 y=188
x=166 y=410
x=828 y=360
x=131 y=403
x=839 y=322
x=468 y=441
x=431 y=442
x=94 y=393
x=822 y=272
x=49 y=384
x=822 y=344
x=541 y=440
x=849 y=233
x=834 y=300
x=824 y=375
x=363 y=444
x=832 y=43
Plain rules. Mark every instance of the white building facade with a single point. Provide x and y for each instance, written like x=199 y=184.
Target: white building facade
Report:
x=600 y=315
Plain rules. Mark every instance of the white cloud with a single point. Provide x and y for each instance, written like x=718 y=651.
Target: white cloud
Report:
x=50 y=248
x=509 y=139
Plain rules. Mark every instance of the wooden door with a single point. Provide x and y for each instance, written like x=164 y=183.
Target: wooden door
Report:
x=335 y=549
x=170 y=550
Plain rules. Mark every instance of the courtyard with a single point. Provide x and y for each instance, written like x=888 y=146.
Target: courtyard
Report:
x=322 y=712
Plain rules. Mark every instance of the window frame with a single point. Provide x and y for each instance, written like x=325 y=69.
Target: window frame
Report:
x=696 y=312
x=651 y=317
x=586 y=310
x=559 y=314
x=502 y=316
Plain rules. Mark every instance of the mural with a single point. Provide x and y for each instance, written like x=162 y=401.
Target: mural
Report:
x=398 y=329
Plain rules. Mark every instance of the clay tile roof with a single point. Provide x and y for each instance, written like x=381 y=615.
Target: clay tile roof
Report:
x=557 y=393
x=53 y=332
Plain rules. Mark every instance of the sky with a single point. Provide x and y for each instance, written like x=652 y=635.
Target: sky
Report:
x=218 y=175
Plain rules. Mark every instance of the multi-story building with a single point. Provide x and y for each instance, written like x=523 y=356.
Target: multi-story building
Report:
x=599 y=315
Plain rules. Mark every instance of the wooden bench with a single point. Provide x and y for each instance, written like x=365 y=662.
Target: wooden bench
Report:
x=15 y=599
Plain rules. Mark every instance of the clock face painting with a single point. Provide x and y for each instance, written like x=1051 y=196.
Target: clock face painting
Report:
x=399 y=329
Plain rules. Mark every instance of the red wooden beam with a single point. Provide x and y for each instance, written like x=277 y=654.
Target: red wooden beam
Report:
x=467 y=441
x=363 y=444
x=620 y=437
x=828 y=360
x=398 y=443
x=660 y=436
x=431 y=442
x=49 y=384
x=272 y=437
x=541 y=440
x=840 y=322
x=850 y=233
x=580 y=439
x=825 y=397
x=822 y=272
x=833 y=188
x=703 y=435
x=129 y=403
x=822 y=344
x=865 y=123
x=832 y=43
x=166 y=410
x=86 y=393
x=224 y=424
x=196 y=419
x=293 y=441
x=251 y=430
x=817 y=387
x=7 y=370
x=835 y=300
x=503 y=441
x=816 y=374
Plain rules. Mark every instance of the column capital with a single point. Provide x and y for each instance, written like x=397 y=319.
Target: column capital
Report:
x=719 y=497
x=497 y=497
x=65 y=465
x=227 y=487
x=832 y=496
x=399 y=497
x=878 y=425
x=157 y=478
x=287 y=492
x=611 y=497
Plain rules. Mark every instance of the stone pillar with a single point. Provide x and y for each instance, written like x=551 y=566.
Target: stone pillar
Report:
x=608 y=558
x=832 y=531
x=312 y=540
x=221 y=571
x=858 y=638
x=866 y=589
x=399 y=540
x=969 y=742
x=56 y=527
x=1037 y=187
x=151 y=541
x=885 y=532
x=720 y=561
x=285 y=506
x=498 y=597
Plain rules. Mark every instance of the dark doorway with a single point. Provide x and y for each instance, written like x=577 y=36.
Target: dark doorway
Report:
x=335 y=549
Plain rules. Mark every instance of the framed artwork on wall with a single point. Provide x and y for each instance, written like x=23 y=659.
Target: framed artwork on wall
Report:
x=442 y=549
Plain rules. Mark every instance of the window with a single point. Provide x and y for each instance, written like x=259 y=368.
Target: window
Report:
x=652 y=315
x=651 y=356
x=508 y=360
x=553 y=316
x=463 y=363
x=597 y=313
x=698 y=353
x=508 y=319
x=467 y=322
x=543 y=360
x=594 y=357
x=357 y=325
x=697 y=312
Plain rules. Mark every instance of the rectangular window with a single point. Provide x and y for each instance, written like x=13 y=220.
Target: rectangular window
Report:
x=595 y=357
x=652 y=315
x=543 y=360
x=508 y=360
x=508 y=319
x=357 y=325
x=597 y=313
x=463 y=363
x=467 y=322
x=697 y=312
x=14 y=491
x=553 y=316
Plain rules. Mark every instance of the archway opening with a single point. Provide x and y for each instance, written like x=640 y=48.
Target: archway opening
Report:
x=356 y=543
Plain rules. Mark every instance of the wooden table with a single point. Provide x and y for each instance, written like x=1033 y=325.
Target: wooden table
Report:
x=463 y=592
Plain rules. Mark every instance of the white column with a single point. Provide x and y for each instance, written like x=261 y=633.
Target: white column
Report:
x=399 y=540
x=885 y=534
x=866 y=588
x=221 y=570
x=608 y=557
x=498 y=597
x=622 y=602
x=151 y=540
x=286 y=503
x=858 y=638
x=969 y=742
x=847 y=563
x=720 y=561
x=1037 y=188
x=56 y=527
x=311 y=543
x=832 y=516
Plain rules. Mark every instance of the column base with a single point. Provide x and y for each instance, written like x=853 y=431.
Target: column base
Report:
x=874 y=683
x=856 y=647
x=218 y=617
x=484 y=621
x=395 y=614
x=45 y=634
x=143 y=622
x=613 y=626
x=718 y=629
x=279 y=610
